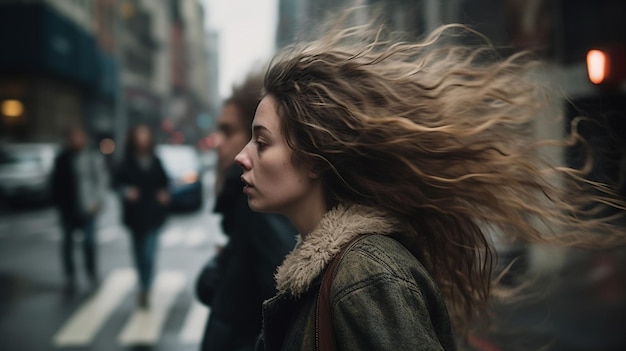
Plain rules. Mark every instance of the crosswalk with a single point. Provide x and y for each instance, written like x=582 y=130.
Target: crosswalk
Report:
x=143 y=327
x=194 y=323
x=198 y=230
x=186 y=237
x=84 y=324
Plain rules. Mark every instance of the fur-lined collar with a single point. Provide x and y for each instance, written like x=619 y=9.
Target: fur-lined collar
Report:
x=334 y=231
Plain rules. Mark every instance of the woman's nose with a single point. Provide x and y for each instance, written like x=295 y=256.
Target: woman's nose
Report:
x=242 y=159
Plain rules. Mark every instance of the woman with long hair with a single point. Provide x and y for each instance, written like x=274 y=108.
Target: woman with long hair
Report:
x=142 y=183
x=394 y=160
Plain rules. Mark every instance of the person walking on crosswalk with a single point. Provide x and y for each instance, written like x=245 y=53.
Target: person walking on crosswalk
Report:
x=79 y=181
x=142 y=184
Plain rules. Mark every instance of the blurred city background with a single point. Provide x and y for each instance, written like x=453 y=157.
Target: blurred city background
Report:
x=111 y=64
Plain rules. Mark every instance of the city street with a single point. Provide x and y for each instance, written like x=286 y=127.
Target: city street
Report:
x=472 y=127
x=37 y=313
x=583 y=307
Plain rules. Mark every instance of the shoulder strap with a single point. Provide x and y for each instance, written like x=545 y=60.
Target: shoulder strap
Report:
x=324 y=322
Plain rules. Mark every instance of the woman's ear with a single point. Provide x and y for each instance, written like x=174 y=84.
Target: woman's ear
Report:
x=313 y=168
x=314 y=171
x=313 y=174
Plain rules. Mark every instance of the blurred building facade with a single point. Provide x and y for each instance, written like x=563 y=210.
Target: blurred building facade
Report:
x=190 y=99
x=143 y=48
x=108 y=64
x=214 y=64
x=414 y=17
x=561 y=30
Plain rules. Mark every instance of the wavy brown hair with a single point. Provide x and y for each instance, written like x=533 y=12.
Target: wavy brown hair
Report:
x=441 y=136
x=246 y=97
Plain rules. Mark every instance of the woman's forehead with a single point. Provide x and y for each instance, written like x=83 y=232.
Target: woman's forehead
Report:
x=266 y=116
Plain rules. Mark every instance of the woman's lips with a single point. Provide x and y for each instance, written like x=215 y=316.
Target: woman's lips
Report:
x=247 y=184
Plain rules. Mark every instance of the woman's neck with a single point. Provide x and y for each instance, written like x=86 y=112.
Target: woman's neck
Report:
x=308 y=213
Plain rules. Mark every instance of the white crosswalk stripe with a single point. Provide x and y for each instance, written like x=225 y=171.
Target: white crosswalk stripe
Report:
x=109 y=234
x=104 y=235
x=195 y=237
x=144 y=327
x=85 y=323
x=171 y=237
x=193 y=329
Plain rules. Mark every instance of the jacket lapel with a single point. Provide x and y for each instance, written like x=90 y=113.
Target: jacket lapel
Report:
x=313 y=253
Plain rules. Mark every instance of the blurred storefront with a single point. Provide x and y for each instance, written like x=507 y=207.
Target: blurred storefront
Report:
x=106 y=64
x=53 y=68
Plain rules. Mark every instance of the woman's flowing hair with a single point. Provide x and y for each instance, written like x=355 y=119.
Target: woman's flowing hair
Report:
x=440 y=135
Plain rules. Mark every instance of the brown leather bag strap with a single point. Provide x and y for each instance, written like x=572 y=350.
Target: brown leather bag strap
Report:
x=325 y=338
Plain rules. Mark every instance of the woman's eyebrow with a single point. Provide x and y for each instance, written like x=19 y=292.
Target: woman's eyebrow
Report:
x=258 y=128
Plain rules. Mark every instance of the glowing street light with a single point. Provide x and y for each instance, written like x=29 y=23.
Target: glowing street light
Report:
x=12 y=108
x=107 y=146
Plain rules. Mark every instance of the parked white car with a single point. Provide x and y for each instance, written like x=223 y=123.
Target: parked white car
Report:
x=25 y=171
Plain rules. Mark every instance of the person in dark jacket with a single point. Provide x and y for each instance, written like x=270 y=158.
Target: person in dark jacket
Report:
x=243 y=273
x=142 y=183
x=79 y=181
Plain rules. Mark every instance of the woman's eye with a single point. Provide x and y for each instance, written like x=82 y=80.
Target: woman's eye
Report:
x=260 y=144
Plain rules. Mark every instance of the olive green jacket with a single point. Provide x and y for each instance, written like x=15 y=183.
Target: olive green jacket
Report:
x=382 y=298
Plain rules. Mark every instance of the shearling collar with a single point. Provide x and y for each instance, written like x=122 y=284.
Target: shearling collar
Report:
x=334 y=231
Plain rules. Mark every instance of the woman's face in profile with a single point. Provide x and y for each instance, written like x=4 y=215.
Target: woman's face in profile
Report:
x=272 y=182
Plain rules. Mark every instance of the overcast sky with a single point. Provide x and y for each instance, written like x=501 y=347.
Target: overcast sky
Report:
x=247 y=34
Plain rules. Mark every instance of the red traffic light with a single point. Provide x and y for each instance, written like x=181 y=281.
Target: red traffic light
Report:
x=607 y=66
x=597 y=66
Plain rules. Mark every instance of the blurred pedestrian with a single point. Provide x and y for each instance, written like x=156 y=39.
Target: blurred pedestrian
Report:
x=143 y=187
x=79 y=182
x=241 y=277
x=393 y=160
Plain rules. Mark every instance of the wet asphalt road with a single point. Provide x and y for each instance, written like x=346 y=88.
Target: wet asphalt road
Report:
x=581 y=307
x=37 y=312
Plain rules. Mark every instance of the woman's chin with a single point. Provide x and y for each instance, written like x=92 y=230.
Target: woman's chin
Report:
x=256 y=206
